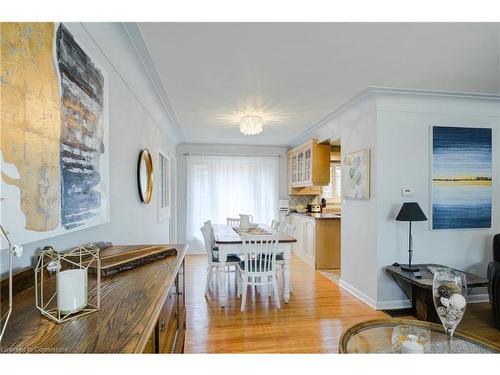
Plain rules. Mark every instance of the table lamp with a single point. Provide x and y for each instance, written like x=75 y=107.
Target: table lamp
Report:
x=410 y=211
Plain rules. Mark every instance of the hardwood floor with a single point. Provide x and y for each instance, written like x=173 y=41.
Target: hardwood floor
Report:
x=313 y=322
x=317 y=315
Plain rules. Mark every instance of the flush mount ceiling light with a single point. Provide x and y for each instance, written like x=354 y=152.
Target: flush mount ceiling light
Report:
x=251 y=124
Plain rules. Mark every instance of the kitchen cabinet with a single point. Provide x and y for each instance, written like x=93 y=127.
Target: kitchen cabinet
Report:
x=335 y=155
x=304 y=233
x=300 y=167
x=294 y=167
x=309 y=238
x=292 y=177
x=308 y=167
x=311 y=190
x=318 y=240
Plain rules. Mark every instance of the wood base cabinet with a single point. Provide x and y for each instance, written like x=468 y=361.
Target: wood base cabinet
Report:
x=171 y=326
x=142 y=310
x=327 y=244
x=318 y=241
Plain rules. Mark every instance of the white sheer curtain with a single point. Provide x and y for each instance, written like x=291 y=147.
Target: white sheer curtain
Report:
x=225 y=186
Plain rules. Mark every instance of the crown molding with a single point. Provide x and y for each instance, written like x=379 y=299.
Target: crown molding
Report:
x=142 y=51
x=373 y=90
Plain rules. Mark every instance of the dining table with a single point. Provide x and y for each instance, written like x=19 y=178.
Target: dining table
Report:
x=229 y=241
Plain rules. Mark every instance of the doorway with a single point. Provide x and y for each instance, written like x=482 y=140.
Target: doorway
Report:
x=331 y=201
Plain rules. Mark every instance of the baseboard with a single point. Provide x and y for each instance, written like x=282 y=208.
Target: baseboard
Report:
x=358 y=294
x=394 y=304
x=404 y=303
x=195 y=252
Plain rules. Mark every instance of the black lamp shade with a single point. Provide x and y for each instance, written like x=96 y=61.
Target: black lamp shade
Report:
x=411 y=211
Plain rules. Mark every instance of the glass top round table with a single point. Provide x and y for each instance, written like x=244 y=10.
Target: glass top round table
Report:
x=389 y=335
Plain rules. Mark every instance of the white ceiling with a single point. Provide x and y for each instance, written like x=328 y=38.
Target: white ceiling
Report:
x=298 y=73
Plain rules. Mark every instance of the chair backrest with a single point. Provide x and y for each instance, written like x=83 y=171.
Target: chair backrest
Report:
x=288 y=229
x=212 y=236
x=234 y=222
x=496 y=248
x=275 y=225
x=260 y=254
x=207 y=237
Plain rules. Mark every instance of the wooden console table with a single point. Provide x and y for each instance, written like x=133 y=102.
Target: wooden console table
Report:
x=142 y=311
x=421 y=289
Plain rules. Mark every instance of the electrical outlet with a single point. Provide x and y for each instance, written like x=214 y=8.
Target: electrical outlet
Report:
x=407 y=192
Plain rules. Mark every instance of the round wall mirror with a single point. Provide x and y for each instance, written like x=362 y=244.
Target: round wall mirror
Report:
x=145 y=175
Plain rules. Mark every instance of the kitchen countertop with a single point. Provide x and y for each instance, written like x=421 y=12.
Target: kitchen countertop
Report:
x=317 y=215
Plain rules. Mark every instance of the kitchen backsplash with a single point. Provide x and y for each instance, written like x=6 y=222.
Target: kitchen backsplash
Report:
x=295 y=200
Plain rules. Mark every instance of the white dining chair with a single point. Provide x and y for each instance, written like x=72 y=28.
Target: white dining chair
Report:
x=212 y=236
x=289 y=230
x=275 y=225
x=233 y=222
x=214 y=245
x=213 y=257
x=259 y=265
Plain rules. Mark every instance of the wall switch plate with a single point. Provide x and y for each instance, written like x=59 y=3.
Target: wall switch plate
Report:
x=407 y=192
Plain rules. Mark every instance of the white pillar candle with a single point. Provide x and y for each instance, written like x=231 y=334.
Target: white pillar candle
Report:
x=71 y=290
x=412 y=345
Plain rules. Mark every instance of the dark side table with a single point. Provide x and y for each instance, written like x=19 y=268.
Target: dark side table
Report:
x=421 y=289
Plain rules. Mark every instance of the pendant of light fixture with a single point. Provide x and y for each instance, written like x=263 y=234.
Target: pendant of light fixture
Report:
x=251 y=124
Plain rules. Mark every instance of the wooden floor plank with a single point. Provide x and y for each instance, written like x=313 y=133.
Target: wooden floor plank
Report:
x=313 y=322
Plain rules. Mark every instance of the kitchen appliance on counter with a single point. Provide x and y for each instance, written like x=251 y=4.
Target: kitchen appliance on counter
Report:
x=323 y=203
x=284 y=209
x=315 y=208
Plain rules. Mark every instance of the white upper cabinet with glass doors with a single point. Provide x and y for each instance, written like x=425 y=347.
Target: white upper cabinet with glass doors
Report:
x=294 y=169
x=310 y=165
x=300 y=163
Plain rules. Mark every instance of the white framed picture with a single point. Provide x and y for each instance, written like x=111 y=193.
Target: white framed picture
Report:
x=164 y=186
x=356 y=176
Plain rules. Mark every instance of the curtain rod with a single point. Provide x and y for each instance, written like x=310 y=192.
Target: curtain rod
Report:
x=214 y=154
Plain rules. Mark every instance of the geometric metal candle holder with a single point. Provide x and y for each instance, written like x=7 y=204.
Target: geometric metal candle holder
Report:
x=62 y=282
x=12 y=250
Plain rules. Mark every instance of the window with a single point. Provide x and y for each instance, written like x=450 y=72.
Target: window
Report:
x=219 y=187
x=164 y=186
x=332 y=192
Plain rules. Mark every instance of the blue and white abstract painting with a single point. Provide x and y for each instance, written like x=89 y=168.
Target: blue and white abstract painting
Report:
x=461 y=177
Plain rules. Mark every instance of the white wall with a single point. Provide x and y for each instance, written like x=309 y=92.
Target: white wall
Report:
x=403 y=128
x=356 y=126
x=395 y=125
x=136 y=121
x=221 y=149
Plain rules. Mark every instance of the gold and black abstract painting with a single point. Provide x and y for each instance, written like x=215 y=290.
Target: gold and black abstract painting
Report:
x=53 y=133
